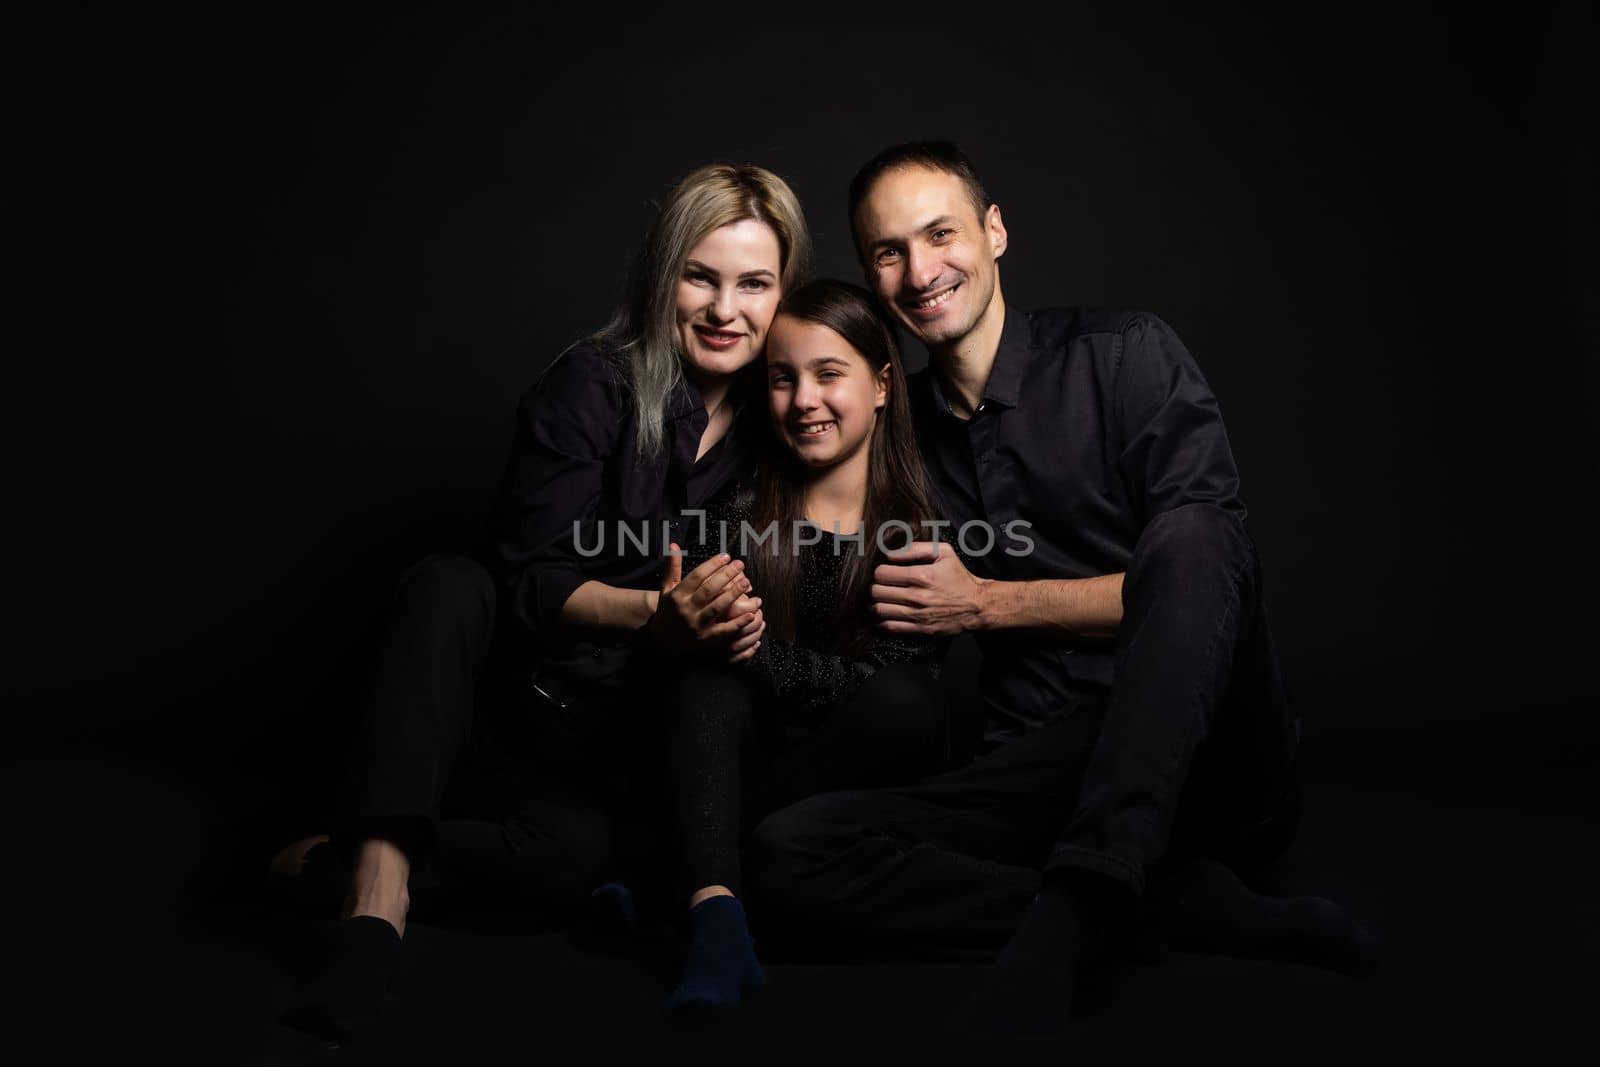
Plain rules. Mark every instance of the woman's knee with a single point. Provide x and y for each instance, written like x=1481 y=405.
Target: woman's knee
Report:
x=447 y=586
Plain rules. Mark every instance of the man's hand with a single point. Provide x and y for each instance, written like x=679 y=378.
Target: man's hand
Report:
x=925 y=589
x=694 y=613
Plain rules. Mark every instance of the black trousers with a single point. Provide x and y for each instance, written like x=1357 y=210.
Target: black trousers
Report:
x=460 y=766
x=1190 y=753
x=733 y=759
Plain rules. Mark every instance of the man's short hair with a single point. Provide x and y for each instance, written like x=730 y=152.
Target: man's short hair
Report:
x=935 y=155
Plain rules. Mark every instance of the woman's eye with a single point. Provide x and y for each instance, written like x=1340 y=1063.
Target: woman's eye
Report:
x=696 y=278
x=777 y=380
x=757 y=285
x=828 y=374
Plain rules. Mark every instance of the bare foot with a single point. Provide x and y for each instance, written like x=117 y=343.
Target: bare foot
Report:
x=379 y=887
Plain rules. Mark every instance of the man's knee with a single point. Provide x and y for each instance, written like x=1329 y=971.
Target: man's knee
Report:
x=1195 y=539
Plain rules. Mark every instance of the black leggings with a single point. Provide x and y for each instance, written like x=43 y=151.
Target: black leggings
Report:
x=731 y=764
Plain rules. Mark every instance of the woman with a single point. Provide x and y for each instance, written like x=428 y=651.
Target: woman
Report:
x=623 y=433
x=837 y=702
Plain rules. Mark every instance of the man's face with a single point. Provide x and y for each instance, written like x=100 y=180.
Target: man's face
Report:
x=927 y=254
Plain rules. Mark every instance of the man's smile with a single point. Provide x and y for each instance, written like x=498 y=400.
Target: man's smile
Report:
x=933 y=303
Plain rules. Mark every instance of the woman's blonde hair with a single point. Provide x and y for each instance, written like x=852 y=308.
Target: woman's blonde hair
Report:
x=644 y=329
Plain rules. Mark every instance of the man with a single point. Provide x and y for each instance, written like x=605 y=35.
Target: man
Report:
x=1137 y=731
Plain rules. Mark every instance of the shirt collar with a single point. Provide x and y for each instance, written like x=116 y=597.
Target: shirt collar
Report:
x=1004 y=386
x=686 y=399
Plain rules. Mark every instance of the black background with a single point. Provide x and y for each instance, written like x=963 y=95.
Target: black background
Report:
x=291 y=273
x=282 y=276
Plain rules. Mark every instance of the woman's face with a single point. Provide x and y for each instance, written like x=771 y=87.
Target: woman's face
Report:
x=823 y=394
x=726 y=298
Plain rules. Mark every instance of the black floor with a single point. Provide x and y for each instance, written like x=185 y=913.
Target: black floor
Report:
x=1467 y=846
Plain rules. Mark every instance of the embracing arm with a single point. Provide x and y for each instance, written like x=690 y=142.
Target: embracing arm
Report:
x=926 y=589
x=1071 y=607
x=1171 y=450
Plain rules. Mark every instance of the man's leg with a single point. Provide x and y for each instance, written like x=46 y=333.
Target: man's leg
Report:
x=941 y=868
x=1198 y=719
x=1190 y=599
x=1193 y=666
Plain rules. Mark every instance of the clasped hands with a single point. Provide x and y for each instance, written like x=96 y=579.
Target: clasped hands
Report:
x=923 y=589
x=708 y=612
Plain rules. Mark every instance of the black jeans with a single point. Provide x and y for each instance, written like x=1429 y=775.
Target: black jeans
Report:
x=732 y=760
x=1191 y=753
x=457 y=763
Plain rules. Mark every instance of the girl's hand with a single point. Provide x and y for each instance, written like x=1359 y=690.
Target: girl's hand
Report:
x=749 y=637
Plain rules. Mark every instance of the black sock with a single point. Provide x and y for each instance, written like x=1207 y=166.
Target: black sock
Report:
x=345 y=999
x=1208 y=909
x=1027 y=993
x=318 y=888
x=721 y=964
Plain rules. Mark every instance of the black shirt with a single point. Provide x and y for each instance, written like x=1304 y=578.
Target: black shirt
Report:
x=1091 y=423
x=574 y=461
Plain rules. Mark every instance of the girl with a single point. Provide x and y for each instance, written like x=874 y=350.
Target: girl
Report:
x=828 y=700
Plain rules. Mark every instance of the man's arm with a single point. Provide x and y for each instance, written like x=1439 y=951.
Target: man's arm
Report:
x=927 y=590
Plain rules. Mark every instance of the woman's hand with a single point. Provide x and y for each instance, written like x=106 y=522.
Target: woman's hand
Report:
x=695 y=612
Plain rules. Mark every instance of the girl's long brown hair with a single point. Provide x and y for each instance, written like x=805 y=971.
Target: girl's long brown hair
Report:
x=897 y=482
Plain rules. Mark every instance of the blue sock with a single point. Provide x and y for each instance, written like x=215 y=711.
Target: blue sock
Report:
x=721 y=964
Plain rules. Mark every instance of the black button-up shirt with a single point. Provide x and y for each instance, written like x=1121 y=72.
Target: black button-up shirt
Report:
x=574 y=475
x=1091 y=423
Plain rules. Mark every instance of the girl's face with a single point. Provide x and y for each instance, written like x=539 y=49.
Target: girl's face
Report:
x=823 y=394
x=726 y=298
